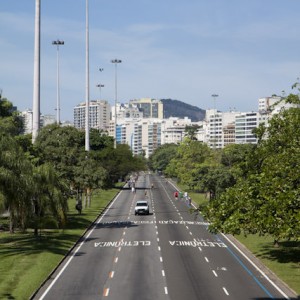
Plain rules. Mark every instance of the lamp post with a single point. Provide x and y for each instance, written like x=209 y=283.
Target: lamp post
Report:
x=215 y=124
x=116 y=62
x=87 y=81
x=100 y=86
x=36 y=75
x=57 y=43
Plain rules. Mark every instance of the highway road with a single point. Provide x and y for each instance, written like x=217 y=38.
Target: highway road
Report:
x=168 y=254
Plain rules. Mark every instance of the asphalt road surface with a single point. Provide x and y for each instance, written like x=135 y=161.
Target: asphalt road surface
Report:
x=168 y=254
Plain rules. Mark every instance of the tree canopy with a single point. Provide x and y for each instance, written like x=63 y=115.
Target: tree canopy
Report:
x=267 y=199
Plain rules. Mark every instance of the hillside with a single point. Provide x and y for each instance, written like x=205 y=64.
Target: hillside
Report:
x=176 y=108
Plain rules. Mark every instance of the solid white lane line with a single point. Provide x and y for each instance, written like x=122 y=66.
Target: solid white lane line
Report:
x=256 y=267
x=225 y=291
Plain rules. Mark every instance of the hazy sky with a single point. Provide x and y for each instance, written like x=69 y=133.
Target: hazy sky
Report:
x=241 y=50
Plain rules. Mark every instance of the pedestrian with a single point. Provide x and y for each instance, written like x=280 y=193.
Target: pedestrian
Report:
x=176 y=195
x=180 y=195
x=79 y=207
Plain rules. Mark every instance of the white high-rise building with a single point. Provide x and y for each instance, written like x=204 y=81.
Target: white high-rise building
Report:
x=244 y=124
x=27 y=116
x=173 y=130
x=151 y=136
x=27 y=120
x=217 y=121
x=99 y=113
x=151 y=108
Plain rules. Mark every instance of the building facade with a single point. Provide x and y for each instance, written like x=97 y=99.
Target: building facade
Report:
x=151 y=108
x=99 y=115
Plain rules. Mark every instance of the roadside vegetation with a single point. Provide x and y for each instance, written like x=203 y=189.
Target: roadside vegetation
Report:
x=26 y=261
x=50 y=192
x=249 y=191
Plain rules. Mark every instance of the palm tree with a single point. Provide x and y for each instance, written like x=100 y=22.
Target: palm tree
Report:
x=14 y=174
x=49 y=198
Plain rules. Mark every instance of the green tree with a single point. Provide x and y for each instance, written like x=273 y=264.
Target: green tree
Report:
x=15 y=174
x=190 y=156
x=162 y=156
x=191 y=131
x=63 y=147
x=49 y=197
x=267 y=199
x=99 y=140
x=10 y=121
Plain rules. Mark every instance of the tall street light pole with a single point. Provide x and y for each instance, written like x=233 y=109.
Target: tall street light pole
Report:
x=87 y=82
x=57 y=43
x=100 y=86
x=215 y=117
x=36 y=72
x=116 y=62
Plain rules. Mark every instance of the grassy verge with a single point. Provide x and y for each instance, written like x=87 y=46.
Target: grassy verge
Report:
x=284 y=260
x=26 y=261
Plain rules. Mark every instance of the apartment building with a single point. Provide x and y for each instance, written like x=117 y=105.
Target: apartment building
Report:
x=173 y=130
x=217 y=121
x=151 y=108
x=99 y=115
x=27 y=116
x=244 y=125
x=151 y=136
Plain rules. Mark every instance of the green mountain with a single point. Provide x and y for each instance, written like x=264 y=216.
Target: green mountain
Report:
x=176 y=108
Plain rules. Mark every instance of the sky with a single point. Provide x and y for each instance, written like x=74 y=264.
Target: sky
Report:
x=241 y=50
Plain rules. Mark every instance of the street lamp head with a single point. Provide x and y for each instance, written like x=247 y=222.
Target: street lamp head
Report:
x=215 y=95
x=101 y=69
x=100 y=85
x=116 y=61
x=58 y=42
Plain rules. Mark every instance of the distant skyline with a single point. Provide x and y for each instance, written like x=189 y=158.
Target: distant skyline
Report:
x=182 y=50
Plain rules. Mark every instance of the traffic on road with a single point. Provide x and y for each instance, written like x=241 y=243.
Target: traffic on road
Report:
x=163 y=252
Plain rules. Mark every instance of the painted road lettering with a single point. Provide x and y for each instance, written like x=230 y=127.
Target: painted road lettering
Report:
x=122 y=244
x=200 y=243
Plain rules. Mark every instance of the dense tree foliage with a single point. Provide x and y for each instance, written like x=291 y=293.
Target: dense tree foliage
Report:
x=162 y=156
x=37 y=180
x=252 y=188
x=267 y=199
x=10 y=122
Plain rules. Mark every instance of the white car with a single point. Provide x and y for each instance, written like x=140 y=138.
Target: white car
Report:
x=141 y=207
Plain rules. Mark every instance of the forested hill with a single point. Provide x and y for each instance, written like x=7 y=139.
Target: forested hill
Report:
x=176 y=108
